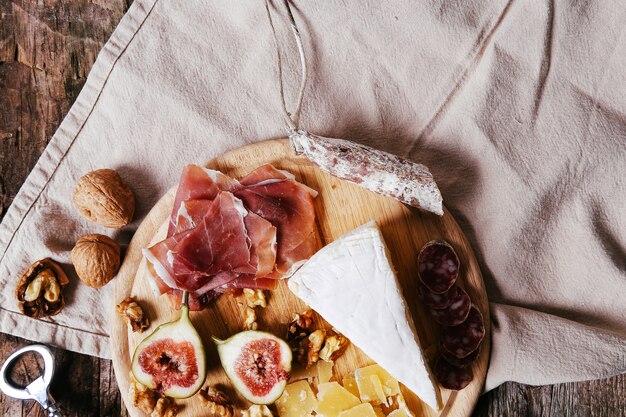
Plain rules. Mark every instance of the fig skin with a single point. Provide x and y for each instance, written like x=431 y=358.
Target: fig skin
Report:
x=238 y=348
x=184 y=336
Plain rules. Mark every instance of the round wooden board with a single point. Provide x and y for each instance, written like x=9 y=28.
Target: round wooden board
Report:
x=339 y=208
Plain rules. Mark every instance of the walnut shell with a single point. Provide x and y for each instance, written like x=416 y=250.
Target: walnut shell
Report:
x=96 y=259
x=39 y=291
x=102 y=197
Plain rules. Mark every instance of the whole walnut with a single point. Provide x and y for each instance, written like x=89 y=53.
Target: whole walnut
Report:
x=102 y=197
x=96 y=259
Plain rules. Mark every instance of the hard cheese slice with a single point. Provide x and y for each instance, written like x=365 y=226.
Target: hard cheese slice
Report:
x=352 y=284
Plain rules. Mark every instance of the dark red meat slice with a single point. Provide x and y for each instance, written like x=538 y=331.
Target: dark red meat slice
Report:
x=438 y=266
x=190 y=213
x=262 y=236
x=248 y=281
x=433 y=300
x=266 y=174
x=261 y=233
x=289 y=206
x=159 y=261
x=197 y=183
x=453 y=360
x=456 y=312
x=219 y=243
x=451 y=376
x=463 y=339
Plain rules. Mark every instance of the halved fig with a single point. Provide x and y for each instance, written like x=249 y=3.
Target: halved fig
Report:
x=171 y=360
x=257 y=363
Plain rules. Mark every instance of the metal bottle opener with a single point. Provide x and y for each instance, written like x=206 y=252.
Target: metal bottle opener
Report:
x=36 y=390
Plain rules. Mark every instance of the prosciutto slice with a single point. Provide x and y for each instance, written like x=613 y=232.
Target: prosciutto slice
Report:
x=248 y=281
x=227 y=239
x=225 y=234
x=286 y=204
x=197 y=183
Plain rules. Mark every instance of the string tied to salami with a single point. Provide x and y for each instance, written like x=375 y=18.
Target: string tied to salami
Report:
x=378 y=171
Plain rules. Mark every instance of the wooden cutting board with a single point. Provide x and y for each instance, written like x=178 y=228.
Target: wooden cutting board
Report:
x=339 y=208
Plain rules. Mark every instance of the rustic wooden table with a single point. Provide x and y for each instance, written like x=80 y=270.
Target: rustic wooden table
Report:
x=46 y=50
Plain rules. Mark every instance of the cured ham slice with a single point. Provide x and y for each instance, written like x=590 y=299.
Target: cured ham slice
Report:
x=225 y=234
x=267 y=174
x=189 y=214
x=261 y=233
x=219 y=243
x=248 y=281
x=286 y=204
x=197 y=183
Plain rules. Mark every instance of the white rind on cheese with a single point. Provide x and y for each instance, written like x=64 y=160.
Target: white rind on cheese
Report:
x=352 y=285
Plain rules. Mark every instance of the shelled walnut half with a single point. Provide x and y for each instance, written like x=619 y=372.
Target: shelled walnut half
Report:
x=256 y=410
x=299 y=328
x=254 y=298
x=308 y=351
x=334 y=346
x=216 y=402
x=133 y=314
x=39 y=291
x=149 y=401
x=165 y=407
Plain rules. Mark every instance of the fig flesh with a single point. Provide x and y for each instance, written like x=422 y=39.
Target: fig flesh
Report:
x=257 y=363
x=171 y=360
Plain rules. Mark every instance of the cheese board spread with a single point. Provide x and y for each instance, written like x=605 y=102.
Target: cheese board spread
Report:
x=394 y=330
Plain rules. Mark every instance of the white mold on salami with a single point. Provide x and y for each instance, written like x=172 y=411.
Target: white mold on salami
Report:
x=378 y=171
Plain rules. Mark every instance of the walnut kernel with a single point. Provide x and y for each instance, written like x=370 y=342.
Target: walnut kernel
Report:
x=254 y=298
x=257 y=411
x=39 y=289
x=249 y=319
x=299 y=328
x=102 y=197
x=165 y=407
x=308 y=351
x=334 y=346
x=133 y=314
x=96 y=259
x=141 y=396
x=216 y=402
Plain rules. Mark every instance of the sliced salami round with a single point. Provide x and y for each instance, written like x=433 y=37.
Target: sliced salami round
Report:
x=436 y=301
x=453 y=360
x=438 y=266
x=452 y=376
x=463 y=339
x=456 y=312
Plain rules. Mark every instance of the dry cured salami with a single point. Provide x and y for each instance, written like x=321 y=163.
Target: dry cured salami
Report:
x=436 y=301
x=463 y=339
x=378 y=171
x=456 y=312
x=452 y=376
x=453 y=360
x=438 y=266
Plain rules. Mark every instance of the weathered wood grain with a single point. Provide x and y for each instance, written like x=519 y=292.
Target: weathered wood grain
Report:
x=46 y=50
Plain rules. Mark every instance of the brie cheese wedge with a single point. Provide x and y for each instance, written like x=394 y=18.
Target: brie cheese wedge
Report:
x=352 y=285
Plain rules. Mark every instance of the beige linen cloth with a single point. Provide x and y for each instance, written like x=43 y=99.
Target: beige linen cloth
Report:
x=518 y=107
